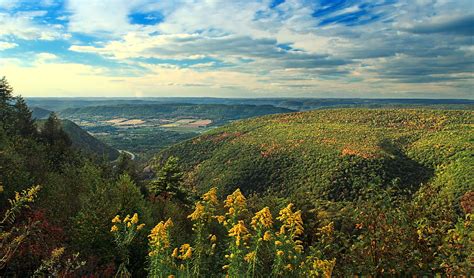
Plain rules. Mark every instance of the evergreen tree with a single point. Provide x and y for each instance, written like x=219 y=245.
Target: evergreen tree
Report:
x=25 y=124
x=168 y=179
x=6 y=109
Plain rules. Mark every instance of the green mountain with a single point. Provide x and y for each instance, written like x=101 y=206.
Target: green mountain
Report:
x=333 y=154
x=82 y=140
x=216 y=112
x=39 y=113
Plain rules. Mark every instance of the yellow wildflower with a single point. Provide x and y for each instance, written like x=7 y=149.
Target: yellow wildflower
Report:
x=211 y=196
x=116 y=219
x=139 y=227
x=299 y=249
x=280 y=253
x=198 y=212
x=175 y=253
x=262 y=218
x=58 y=252
x=235 y=202
x=220 y=218
x=171 y=276
x=129 y=224
x=292 y=221
x=289 y=266
x=238 y=231
x=186 y=251
x=134 y=219
x=127 y=218
x=267 y=236
x=327 y=230
x=114 y=228
x=324 y=266
x=159 y=234
x=250 y=257
x=213 y=238
x=278 y=243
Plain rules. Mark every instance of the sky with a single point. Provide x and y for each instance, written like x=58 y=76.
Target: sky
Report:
x=233 y=48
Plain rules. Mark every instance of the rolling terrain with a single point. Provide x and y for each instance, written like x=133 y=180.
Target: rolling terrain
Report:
x=332 y=154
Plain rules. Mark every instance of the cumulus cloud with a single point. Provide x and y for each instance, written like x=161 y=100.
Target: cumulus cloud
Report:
x=298 y=47
x=22 y=25
x=7 y=45
x=458 y=25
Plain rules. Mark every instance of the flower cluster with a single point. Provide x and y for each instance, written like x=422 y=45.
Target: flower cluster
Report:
x=249 y=246
x=124 y=232
x=160 y=235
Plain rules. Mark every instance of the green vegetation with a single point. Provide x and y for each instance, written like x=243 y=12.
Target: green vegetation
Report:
x=331 y=192
x=216 y=112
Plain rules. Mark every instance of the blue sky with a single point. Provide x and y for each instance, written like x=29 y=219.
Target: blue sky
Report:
x=223 y=48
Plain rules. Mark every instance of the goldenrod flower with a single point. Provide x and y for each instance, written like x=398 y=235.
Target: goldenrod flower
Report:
x=250 y=257
x=278 y=243
x=129 y=225
x=198 y=212
x=211 y=196
x=220 y=218
x=280 y=253
x=159 y=234
x=139 y=227
x=213 y=238
x=114 y=228
x=116 y=219
x=299 y=249
x=127 y=218
x=238 y=231
x=289 y=266
x=175 y=253
x=327 y=230
x=134 y=219
x=292 y=221
x=262 y=218
x=188 y=254
x=235 y=202
x=267 y=236
x=58 y=252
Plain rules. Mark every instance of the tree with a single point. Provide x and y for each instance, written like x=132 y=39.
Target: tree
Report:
x=57 y=141
x=24 y=123
x=6 y=109
x=168 y=179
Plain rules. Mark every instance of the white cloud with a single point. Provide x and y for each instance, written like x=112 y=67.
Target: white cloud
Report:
x=7 y=45
x=102 y=17
x=23 y=26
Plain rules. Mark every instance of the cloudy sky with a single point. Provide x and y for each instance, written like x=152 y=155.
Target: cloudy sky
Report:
x=232 y=48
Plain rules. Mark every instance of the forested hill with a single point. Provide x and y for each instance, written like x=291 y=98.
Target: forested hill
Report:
x=215 y=112
x=83 y=141
x=332 y=154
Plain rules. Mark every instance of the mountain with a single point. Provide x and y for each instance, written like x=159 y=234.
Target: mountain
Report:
x=216 y=112
x=39 y=113
x=333 y=154
x=58 y=104
x=86 y=142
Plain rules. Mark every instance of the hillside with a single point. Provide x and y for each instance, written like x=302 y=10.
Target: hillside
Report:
x=39 y=113
x=216 y=112
x=83 y=141
x=332 y=154
x=86 y=142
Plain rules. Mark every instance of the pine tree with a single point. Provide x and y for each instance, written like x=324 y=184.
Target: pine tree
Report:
x=168 y=180
x=24 y=123
x=6 y=109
